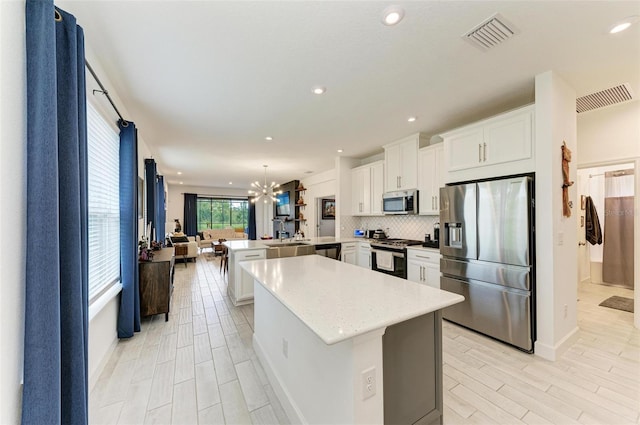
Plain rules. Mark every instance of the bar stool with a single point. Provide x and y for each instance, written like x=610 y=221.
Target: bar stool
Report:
x=224 y=259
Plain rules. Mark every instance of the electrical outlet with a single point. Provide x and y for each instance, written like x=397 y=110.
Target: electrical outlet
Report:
x=368 y=383
x=566 y=310
x=285 y=348
x=560 y=238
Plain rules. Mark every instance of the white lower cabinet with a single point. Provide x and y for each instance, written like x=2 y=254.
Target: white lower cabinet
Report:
x=349 y=253
x=364 y=255
x=423 y=266
x=240 y=287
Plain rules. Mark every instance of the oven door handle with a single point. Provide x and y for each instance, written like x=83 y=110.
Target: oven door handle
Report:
x=395 y=254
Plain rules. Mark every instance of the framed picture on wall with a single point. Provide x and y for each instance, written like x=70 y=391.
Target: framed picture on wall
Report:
x=328 y=209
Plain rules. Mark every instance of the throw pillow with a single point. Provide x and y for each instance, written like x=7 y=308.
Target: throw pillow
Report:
x=201 y=235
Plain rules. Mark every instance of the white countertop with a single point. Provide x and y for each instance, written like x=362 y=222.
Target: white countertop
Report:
x=338 y=301
x=245 y=244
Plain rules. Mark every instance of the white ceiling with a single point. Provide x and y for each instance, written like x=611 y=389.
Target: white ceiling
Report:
x=206 y=81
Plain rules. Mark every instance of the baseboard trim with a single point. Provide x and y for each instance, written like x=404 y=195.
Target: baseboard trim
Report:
x=553 y=353
x=292 y=411
x=95 y=376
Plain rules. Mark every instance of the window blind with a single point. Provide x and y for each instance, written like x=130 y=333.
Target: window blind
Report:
x=103 y=203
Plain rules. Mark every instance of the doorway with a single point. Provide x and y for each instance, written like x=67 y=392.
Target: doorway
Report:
x=326 y=216
x=606 y=225
x=607 y=269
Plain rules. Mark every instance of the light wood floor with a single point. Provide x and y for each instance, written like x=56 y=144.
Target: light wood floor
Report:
x=200 y=367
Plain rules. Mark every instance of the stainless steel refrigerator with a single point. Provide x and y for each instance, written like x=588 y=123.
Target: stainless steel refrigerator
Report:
x=486 y=242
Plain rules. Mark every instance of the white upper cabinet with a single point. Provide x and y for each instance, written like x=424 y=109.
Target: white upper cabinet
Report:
x=377 y=187
x=366 y=189
x=401 y=163
x=465 y=148
x=430 y=178
x=497 y=146
x=358 y=190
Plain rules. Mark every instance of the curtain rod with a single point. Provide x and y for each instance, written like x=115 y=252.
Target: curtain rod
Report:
x=104 y=91
x=232 y=197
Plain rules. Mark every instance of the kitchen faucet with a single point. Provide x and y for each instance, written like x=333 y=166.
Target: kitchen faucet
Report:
x=282 y=229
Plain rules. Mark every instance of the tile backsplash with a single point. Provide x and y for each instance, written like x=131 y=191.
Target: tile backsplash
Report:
x=399 y=226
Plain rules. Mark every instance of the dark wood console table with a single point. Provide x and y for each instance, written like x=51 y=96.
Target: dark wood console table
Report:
x=156 y=283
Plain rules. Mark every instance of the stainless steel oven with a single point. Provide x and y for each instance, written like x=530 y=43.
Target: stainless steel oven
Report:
x=397 y=265
x=390 y=256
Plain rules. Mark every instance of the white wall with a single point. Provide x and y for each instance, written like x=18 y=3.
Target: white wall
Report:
x=612 y=135
x=556 y=235
x=318 y=186
x=12 y=206
x=609 y=134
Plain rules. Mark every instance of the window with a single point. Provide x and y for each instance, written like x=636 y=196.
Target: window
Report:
x=104 y=203
x=220 y=213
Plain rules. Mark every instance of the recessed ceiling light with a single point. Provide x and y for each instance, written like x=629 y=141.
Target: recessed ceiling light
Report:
x=620 y=27
x=179 y=173
x=392 y=15
x=623 y=24
x=268 y=138
x=318 y=90
x=308 y=172
x=339 y=150
x=230 y=182
x=412 y=119
x=180 y=182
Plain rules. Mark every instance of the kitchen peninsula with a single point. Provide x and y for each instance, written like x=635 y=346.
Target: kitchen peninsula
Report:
x=342 y=344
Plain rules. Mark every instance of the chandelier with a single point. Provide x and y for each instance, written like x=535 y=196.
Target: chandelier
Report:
x=264 y=191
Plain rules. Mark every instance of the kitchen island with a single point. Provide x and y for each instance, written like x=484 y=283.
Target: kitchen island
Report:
x=240 y=288
x=342 y=344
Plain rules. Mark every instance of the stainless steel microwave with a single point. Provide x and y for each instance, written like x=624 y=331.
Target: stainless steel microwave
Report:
x=401 y=202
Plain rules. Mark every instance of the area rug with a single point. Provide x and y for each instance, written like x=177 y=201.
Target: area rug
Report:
x=619 y=303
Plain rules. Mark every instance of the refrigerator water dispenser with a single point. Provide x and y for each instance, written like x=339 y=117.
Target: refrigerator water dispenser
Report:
x=453 y=235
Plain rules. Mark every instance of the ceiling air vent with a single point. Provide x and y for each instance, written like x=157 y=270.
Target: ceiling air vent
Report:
x=492 y=32
x=603 y=98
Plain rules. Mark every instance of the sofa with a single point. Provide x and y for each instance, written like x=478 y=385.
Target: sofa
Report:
x=192 y=245
x=205 y=237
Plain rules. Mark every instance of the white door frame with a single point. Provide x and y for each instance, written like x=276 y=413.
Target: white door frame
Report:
x=636 y=227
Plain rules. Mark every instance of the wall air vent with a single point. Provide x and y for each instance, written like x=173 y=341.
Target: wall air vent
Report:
x=610 y=96
x=492 y=32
